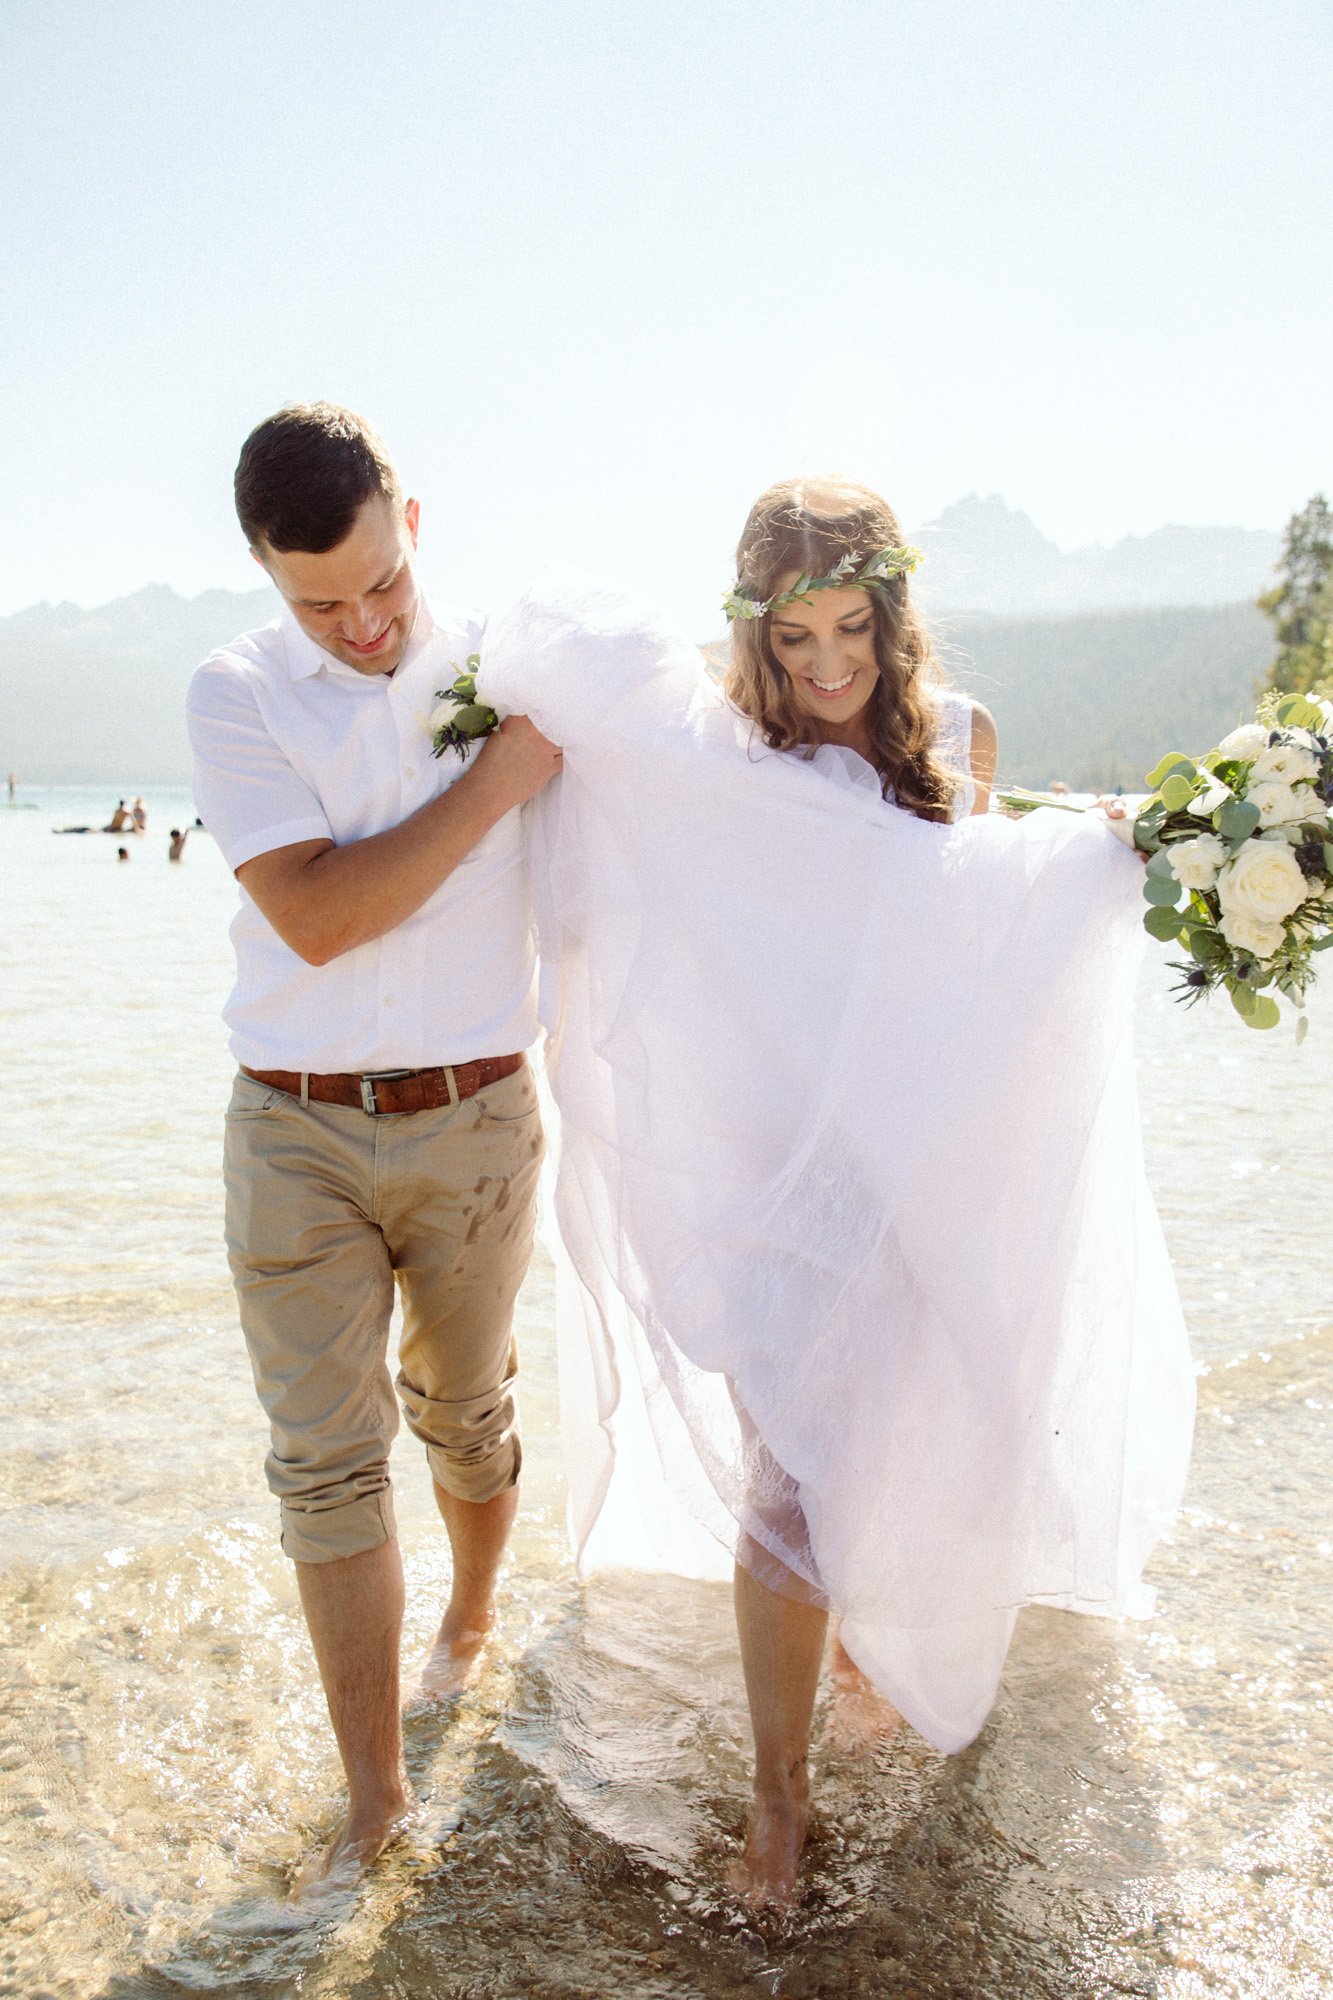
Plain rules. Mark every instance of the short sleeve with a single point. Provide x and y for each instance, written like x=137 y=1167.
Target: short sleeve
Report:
x=245 y=790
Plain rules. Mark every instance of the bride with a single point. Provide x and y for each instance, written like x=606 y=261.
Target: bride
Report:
x=861 y=1286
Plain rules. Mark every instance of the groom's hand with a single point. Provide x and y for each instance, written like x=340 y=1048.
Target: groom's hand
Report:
x=323 y=900
x=518 y=760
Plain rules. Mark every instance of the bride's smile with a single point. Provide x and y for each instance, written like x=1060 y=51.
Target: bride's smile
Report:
x=825 y=644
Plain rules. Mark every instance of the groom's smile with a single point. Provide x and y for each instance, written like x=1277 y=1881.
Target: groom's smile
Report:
x=357 y=600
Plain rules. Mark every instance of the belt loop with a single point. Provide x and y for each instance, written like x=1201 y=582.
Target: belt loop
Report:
x=305 y=1088
x=452 y=1081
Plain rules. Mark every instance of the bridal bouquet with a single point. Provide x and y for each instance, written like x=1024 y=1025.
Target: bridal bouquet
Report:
x=1240 y=857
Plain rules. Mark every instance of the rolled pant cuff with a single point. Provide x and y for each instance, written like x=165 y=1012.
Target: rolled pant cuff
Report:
x=477 y=1482
x=328 y=1534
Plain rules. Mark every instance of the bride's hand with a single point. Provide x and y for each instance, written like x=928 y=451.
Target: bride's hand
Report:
x=1120 y=823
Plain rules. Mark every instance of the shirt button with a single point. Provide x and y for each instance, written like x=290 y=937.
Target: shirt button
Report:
x=409 y=770
x=387 y=1001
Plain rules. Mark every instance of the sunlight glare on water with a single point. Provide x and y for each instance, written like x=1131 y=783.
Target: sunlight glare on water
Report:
x=1146 y=1812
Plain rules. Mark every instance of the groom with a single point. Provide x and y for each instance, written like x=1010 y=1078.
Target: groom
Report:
x=384 y=1122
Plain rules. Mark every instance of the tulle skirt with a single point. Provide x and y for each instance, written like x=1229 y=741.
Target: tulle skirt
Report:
x=861 y=1279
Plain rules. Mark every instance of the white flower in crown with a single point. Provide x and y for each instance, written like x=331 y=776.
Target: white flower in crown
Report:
x=737 y=605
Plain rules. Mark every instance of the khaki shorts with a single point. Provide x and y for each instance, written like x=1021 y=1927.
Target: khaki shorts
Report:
x=326 y=1208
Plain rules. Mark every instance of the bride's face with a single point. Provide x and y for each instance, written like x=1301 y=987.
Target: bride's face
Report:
x=826 y=646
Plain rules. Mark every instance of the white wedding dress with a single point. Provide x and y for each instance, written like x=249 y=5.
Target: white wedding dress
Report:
x=860 y=1266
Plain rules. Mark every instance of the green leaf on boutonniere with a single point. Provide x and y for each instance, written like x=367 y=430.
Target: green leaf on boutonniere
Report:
x=471 y=719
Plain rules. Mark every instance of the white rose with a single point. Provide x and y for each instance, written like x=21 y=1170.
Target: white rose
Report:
x=1285 y=762
x=1245 y=742
x=1326 y=710
x=1247 y=933
x=1278 y=803
x=441 y=716
x=1262 y=882
x=1195 y=863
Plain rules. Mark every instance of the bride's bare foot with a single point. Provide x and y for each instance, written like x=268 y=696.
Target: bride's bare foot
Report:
x=454 y=1660
x=765 y=1875
x=357 y=1845
x=860 y=1717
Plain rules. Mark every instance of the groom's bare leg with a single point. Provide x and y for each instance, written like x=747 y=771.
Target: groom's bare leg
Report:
x=478 y=1532
x=354 y=1609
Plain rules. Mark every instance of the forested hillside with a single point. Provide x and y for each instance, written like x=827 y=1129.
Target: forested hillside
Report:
x=1096 y=700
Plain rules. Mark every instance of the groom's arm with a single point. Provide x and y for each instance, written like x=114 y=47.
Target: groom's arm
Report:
x=324 y=899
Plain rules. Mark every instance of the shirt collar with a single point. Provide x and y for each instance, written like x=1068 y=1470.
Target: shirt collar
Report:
x=306 y=657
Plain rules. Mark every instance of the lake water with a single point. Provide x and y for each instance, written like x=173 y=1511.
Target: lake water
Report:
x=1147 y=1812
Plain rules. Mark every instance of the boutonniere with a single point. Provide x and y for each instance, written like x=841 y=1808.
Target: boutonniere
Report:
x=458 y=718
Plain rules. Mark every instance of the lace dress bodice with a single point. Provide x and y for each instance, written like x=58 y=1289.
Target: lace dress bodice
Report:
x=953 y=744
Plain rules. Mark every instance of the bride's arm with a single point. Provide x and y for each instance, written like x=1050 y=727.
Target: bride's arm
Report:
x=985 y=753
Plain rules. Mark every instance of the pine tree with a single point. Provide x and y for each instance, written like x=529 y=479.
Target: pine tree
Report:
x=1301 y=603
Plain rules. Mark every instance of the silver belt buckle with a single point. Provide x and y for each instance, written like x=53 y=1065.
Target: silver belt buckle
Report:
x=368 y=1104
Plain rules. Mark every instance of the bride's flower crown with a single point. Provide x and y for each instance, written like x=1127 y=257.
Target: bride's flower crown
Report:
x=884 y=564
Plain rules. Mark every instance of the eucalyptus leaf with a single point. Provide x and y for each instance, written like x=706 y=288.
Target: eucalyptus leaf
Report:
x=474 y=719
x=1177 y=792
x=1302 y=1029
x=1244 y=1000
x=1162 y=924
x=1162 y=889
x=1175 y=760
x=1236 y=820
x=1266 y=1013
x=1160 y=863
x=1295 y=712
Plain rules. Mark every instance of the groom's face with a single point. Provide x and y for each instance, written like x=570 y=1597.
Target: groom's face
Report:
x=357 y=600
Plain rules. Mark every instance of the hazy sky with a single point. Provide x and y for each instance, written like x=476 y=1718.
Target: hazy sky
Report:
x=600 y=272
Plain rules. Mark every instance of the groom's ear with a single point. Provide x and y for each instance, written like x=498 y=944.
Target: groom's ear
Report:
x=412 y=516
x=258 y=558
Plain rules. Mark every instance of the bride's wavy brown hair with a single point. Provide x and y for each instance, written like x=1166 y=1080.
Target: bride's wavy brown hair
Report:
x=809 y=526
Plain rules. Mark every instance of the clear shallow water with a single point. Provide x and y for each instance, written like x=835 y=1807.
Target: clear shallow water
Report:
x=1146 y=1812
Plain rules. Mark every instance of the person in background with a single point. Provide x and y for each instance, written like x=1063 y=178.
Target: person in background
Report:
x=178 y=840
x=120 y=819
x=122 y=854
x=140 y=816
x=384 y=1123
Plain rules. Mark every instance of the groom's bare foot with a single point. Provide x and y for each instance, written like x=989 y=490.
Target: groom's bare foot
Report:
x=860 y=1717
x=765 y=1875
x=455 y=1658
x=357 y=1845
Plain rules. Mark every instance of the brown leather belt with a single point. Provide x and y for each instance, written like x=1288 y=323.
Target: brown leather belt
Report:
x=389 y=1091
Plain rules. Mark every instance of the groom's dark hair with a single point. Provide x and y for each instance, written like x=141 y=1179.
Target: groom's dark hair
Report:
x=304 y=474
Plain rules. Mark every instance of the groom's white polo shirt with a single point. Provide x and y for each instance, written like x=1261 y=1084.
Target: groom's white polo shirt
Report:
x=291 y=745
